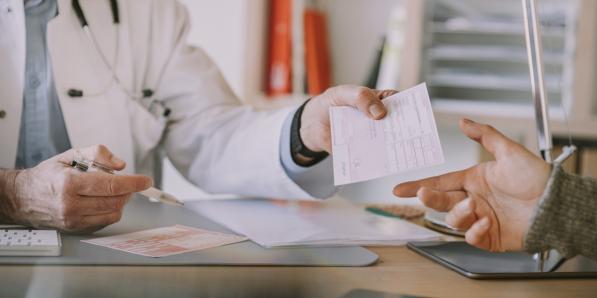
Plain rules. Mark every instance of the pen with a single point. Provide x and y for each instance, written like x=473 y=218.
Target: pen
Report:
x=152 y=192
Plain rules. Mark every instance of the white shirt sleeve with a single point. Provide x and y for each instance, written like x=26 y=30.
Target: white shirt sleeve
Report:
x=317 y=180
x=214 y=140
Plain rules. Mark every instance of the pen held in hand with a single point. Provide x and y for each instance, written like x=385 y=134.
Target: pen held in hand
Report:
x=163 y=197
x=151 y=193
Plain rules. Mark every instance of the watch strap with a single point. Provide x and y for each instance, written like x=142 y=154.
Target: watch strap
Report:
x=296 y=142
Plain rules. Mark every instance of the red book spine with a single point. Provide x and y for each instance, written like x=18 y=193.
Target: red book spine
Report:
x=280 y=49
x=317 y=52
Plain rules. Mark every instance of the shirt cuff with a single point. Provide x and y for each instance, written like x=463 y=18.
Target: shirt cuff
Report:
x=317 y=180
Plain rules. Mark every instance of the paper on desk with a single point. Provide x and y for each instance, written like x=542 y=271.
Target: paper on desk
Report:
x=166 y=241
x=405 y=140
x=332 y=222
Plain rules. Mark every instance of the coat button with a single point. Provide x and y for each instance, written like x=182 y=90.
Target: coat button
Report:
x=2 y=114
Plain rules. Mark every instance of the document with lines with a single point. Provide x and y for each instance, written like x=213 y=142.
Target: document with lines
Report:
x=405 y=140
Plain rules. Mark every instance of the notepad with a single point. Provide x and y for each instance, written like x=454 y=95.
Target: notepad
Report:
x=405 y=140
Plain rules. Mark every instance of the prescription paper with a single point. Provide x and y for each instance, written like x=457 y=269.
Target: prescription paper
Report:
x=405 y=140
x=166 y=241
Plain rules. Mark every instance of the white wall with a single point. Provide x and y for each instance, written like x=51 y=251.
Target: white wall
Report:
x=356 y=28
x=222 y=29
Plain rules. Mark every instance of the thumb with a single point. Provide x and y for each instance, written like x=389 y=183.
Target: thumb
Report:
x=490 y=138
x=364 y=99
x=98 y=153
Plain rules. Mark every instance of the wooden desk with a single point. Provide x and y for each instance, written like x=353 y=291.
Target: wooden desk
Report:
x=399 y=271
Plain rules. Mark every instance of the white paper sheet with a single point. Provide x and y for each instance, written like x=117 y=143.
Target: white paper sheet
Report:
x=405 y=140
x=332 y=222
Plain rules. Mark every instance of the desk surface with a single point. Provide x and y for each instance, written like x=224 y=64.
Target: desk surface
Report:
x=399 y=271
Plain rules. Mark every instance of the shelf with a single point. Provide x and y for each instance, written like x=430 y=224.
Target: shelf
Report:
x=491 y=109
x=475 y=54
x=517 y=117
x=488 y=53
x=492 y=28
x=491 y=82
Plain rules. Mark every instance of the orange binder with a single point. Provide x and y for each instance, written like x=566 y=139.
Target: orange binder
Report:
x=280 y=48
x=317 y=52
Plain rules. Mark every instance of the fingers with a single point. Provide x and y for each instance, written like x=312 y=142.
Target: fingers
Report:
x=106 y=185
x=101 y=205
x=99 y=153
x=478 y=234
x=364 y=99
x=439 y=200
x=448 y=182
x=326 y=141
x=462 y=216
x=88 y=224
x=382 y=94
x=87 y=214
x=100 y=221
x=491 y=139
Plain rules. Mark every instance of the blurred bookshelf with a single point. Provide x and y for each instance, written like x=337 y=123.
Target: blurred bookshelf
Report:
x=472 y=55
x=476 y=63
x=470 y=52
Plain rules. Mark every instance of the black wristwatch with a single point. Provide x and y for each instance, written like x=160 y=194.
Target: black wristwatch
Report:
x=296 y=143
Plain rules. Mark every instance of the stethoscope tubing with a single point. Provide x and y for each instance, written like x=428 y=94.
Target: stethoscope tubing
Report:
x=145 y=96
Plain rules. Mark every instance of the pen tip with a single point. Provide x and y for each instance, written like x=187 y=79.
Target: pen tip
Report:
x=172 y=199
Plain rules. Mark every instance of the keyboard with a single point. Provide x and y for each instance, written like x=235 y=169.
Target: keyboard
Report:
x=25 y=242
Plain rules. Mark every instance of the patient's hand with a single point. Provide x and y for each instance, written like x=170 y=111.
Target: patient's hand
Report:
x=54 y=195
x=493 y=201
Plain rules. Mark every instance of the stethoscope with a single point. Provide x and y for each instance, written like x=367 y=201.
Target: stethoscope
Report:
x=145 y=96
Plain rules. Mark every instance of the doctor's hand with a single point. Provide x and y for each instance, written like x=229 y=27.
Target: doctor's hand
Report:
x=315 y=121
x=493 y=201
x=55 y=195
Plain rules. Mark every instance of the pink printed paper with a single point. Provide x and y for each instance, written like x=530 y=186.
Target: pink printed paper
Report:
x=166 y=241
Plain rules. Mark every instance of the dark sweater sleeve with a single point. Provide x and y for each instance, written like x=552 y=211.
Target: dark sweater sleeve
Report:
x=566 y=217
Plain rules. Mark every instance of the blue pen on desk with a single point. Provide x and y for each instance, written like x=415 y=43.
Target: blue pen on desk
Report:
x=152 y=192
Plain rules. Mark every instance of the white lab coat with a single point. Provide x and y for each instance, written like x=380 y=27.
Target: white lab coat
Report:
x=213 y=140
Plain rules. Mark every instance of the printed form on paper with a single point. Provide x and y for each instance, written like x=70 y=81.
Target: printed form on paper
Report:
x=166 y=241
x=405 y=140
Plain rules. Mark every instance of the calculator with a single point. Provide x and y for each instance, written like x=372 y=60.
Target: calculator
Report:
x=26 y=242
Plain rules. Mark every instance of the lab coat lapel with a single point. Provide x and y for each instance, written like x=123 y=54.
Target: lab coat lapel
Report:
x=100 y=116
x=12 y=74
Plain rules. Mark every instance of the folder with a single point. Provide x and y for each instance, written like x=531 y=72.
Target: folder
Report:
x=334 y=222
